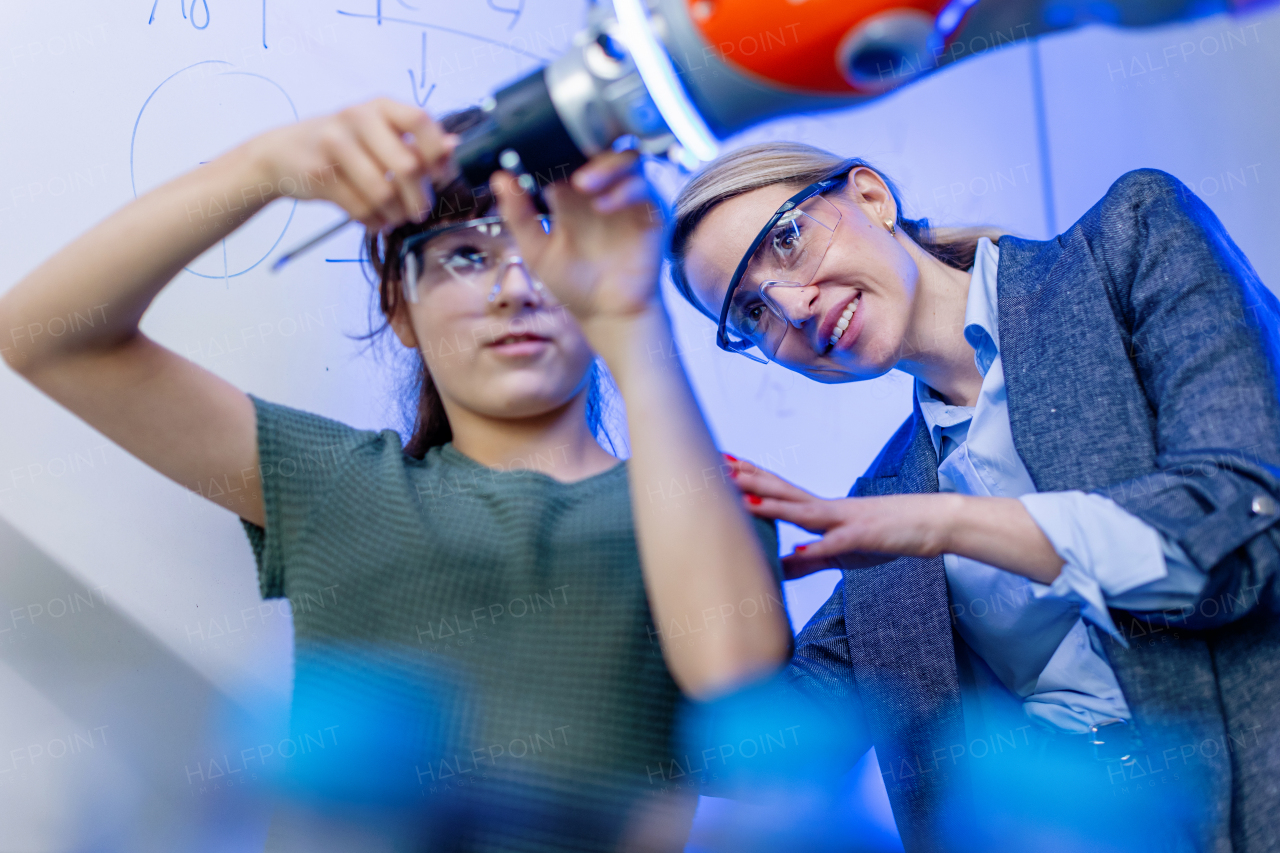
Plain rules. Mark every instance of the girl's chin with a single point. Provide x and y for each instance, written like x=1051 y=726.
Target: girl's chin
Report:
x=516 y=409
x=530 y=396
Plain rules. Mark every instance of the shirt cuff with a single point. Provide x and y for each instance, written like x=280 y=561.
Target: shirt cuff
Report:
x=1107 y=552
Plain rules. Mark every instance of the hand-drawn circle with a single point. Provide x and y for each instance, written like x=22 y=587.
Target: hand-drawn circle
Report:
x=193 y=116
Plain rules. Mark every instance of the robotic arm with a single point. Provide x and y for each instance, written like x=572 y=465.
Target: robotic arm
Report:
x=678 y=75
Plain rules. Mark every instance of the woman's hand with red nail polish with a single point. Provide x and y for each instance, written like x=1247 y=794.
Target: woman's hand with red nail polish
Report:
x=857 y=532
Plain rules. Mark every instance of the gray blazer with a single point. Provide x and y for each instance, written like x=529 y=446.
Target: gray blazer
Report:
x=1141 y=358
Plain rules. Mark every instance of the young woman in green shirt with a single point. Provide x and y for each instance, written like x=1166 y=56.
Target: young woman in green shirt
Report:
x=473 y=607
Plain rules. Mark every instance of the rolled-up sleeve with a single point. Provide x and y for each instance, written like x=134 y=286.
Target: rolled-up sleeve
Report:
x=1203 y=337
x=1112 y=558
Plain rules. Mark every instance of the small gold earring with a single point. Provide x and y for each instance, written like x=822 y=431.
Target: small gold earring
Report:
x=893 y=229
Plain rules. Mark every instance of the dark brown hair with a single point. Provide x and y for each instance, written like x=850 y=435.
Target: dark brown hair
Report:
x=420 y=398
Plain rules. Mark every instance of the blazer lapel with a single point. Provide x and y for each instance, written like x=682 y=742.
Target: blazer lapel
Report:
x=899 y=630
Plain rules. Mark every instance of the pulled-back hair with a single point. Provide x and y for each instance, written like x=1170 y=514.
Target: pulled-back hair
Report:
x=797 y=165
x=420 y=399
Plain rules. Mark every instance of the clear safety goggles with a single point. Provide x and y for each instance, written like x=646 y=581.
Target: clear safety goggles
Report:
x=475 y=253
x=779 y=264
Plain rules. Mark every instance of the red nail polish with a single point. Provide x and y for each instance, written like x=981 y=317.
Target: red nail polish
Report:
x=800 y=548
x=753 y=499
x=730 y=458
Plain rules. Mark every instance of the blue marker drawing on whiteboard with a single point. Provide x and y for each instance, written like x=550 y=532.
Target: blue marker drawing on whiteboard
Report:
x=420 y=81
x=381 y=18
x=182 y=6
x=205 y=3
x=197 y=112
x=514 y=13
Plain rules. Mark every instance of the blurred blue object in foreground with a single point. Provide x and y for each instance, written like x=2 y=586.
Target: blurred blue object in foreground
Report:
x=775 y=769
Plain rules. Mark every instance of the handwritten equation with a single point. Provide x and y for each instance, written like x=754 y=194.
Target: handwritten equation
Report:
x=197 y=13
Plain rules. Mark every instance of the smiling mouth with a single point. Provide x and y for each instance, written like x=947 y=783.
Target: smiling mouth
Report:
x=846 y=317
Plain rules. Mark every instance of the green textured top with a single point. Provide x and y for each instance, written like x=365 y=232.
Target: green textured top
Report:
x=458 y=627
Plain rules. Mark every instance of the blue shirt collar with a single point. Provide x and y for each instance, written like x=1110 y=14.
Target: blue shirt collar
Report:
x=981 y=318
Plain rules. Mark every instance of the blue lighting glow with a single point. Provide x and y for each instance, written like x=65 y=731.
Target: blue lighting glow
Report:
x=660 y=79
x=950 y=16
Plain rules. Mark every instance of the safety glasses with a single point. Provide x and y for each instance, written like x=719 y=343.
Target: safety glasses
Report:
x=474 y=253
x=782 y=259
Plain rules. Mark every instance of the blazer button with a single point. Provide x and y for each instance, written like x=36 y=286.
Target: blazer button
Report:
x=1263 y=505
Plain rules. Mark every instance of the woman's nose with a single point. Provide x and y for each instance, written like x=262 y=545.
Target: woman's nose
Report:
x=797 y=304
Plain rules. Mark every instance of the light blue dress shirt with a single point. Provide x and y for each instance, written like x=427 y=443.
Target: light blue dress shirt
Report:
x=1041 y=640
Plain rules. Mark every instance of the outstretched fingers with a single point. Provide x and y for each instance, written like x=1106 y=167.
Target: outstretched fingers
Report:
x=613 y=181
x=839 y=548
x=815 y=516
x=603 y=171
x=759 y=481
x=797 y=565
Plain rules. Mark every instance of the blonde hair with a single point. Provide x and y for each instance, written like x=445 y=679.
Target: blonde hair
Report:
x=795 y=164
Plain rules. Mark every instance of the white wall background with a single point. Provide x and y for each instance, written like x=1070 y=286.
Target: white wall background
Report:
x=163 y=569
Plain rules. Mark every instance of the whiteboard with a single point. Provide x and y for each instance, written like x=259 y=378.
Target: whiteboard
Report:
x=105 y=101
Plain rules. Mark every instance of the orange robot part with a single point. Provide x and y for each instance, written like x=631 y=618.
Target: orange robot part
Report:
x=822 y=46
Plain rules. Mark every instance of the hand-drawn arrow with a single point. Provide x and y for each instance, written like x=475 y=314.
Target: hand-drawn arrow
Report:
x=420 y=82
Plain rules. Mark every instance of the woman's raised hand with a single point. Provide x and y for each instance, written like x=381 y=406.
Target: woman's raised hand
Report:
x=857 y=532
x=377 y=160
x=602 y=257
